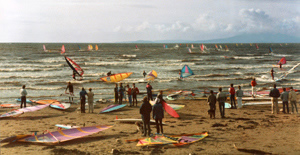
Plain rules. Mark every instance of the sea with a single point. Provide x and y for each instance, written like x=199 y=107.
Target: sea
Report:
x=46 y=74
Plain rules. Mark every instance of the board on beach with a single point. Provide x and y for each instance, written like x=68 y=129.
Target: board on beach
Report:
x=61 y=106
x=64 y=126
x=9 y=105
x=46 y=102
x=132 y=121
x=27 y=100
x=227 y=105
x=64 y=135
x=112 y=107
x=258 y=103
x=23 y=110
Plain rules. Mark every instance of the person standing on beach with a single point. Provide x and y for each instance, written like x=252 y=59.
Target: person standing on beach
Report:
x=158 y=114
x=285 y=100
x=134 y=92
x=274 y=93
x=232 y=96
x=221 y=98
x=82 y=100
x=116 y=90
x=253 y=84
x=239 y=95
x=144 y=74
x=212 y=104
x=145 y=111
x=90 y=95
x=272 y=73
x=293 y=99
x=23 y=93
x=71 y=91
x=121 y=93
x=129 y=94
x=149 y=91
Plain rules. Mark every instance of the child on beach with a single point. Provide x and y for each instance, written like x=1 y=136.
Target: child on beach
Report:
x=145 y=111
x=221 y=98
x=90 y=95
x=212 y=104
x=134 y=92
x=232 y=96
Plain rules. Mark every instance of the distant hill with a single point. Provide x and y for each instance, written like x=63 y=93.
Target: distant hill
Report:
x=244 y=38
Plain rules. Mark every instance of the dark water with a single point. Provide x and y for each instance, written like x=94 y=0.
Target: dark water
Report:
x=46 y=73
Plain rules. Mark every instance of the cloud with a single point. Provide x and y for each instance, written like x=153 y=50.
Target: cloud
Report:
x=144 y=26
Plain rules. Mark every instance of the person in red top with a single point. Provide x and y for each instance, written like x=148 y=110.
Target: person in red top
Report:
x=134 y=92
x=253 y=84
x=232 y=96
x=129 y=95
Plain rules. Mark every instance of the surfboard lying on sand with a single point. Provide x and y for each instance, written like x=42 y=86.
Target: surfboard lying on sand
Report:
x=27 y=100
x=112 y=108
x=61 y=106
x=64 y=135
x=258 y=103
x=66 y=126
x=132 y=121
x=9 y=105
x=46 y=101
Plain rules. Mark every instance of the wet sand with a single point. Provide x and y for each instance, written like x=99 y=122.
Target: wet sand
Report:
x=253 y=129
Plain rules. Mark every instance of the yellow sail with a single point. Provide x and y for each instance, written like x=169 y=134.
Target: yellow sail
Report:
x=151 y=75
x=90 y=47
x=96 y=47
x=116 y=77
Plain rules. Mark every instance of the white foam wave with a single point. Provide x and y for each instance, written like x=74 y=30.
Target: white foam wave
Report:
x=26 y=69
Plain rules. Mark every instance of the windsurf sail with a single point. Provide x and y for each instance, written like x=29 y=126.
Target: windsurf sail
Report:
x=164 y=46
x=256 y=46
x=270 y=49
x=79 y=47
x=202 y=47
x=176 y=46
x=63 y=50
x=236 y=45
x=226 y=48
x=76 y=68
x=64 y=135
x=186 y=71
x=136 y=47
x=175 y=140
x=96 y=47
x=288 y=72
x=151 y=75
x=44 y=48
x=282 y=61
x=192 y=46
x=190 y=51
x=250 y=44
x=116 y=77
x=216 y=46
x=24 y=110
x=220 y=46
x=90 y=47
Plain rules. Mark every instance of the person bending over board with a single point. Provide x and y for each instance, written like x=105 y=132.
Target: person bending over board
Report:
x=134 y=92
x=145 y=111
x=23 y=93
x=149 y=91
x=71 y=91
x=221 y=98
x=90 y=95
x=116 y=90
x=212 y=104
x=82 y=100
x=158 y=114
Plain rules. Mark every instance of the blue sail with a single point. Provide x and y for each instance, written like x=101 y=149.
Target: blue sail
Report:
x=79 y=47
x=270 y=50
x=186 y=71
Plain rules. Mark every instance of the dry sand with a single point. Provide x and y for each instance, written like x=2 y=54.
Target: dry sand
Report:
x=251 y=129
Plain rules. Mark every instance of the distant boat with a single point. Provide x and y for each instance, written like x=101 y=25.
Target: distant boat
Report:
x=256 y=46
x=63 y=50
x=96 y=47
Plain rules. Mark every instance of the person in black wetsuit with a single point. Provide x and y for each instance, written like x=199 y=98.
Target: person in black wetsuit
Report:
x=71 y=91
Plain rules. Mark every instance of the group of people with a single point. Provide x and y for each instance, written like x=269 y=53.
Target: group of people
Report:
x=132 y=93
x=157 y=114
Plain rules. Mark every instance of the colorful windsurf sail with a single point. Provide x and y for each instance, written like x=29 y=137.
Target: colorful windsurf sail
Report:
x=112 y=107
x=136 y=47
x=202 y=47
x=216 y=46
x=282 y=61
x=63 y=50
x=44 y=47
x=256 y=46
x=96 y=47
x=116 y=77
x=220 y=46
x=190 y=51
x=186 y=71
x=175 y=140
x=226 y=48
x=90 y=47
x=192 y=46
x=24 y=110
x=79 y=47
x=151 y=75
x=76 y=68
x=64 y=135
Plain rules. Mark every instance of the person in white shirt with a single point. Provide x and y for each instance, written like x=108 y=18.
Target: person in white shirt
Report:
x=23 y=93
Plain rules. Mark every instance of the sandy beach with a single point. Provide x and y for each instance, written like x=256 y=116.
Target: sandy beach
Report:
x=252 y=129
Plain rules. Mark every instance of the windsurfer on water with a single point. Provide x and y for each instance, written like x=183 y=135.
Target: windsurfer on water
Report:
x=280 y=65
x=272 y=73
x=74 y=75
x=109 y=73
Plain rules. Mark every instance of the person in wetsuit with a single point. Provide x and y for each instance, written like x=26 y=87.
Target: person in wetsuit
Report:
x=272 y=73
x=71 y=91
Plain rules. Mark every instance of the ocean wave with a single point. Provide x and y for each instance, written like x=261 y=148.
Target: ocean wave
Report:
x=31 y=65
x=27 y=69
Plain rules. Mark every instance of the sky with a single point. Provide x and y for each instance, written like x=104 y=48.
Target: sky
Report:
x=108 y=21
